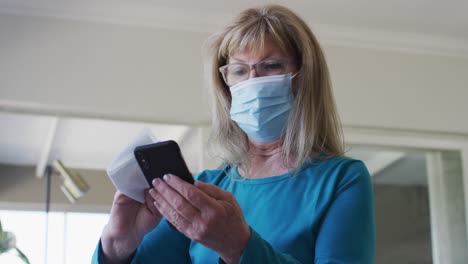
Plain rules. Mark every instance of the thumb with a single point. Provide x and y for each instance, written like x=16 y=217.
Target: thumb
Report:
x=211 y=190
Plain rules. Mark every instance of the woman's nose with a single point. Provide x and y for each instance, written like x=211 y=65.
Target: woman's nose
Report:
x=253 y=73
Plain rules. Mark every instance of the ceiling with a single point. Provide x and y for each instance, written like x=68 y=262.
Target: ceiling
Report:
x=432 y=26
x=27 y=140
x=441 y=18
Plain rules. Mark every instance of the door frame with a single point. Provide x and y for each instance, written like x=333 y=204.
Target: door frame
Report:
x=430 y=141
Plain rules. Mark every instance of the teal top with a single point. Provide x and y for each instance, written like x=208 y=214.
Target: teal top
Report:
x=323 y=214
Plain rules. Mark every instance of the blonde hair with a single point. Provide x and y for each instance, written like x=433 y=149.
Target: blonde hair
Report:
x=314 y=129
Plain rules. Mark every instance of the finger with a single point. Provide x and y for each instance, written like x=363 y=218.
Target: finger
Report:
x=192 y=194
x=149 y=202
x=212 y=190
x=171 y=215
x=173 y=199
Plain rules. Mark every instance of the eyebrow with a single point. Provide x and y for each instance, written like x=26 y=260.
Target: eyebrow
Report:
x=269 y=55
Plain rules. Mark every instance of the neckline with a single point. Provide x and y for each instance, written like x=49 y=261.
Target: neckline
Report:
x=265 y=180
x=241 y=180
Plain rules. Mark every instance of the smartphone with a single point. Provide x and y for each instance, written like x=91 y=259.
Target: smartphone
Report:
x=162 y=158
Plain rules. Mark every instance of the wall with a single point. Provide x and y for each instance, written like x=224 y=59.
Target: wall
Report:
x=403 y=233
x=21 y=189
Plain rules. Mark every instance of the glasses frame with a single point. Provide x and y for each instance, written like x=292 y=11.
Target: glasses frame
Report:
x=251 y=66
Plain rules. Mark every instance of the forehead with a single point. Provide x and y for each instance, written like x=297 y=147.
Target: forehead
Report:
x=258 y=51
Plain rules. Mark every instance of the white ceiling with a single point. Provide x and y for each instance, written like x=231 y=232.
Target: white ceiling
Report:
x=443 y=18
x=420 y=25
x=79 y=143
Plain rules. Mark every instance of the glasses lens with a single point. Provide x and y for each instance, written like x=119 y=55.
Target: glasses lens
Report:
x=236 y=73
x=272 y=67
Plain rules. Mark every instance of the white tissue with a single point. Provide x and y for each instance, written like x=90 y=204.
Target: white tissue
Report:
x=124 y=171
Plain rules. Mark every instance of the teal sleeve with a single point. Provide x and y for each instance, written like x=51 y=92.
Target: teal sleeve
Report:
x=97 y=253
x=347 y=231
x=161 y=245
x=260 y=251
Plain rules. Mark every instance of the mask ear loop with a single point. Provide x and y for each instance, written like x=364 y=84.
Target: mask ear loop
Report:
x=294 y=91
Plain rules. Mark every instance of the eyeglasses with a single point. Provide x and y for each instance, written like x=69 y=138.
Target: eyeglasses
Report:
x=235 y=73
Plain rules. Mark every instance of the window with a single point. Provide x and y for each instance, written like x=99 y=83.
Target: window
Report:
x=71 y=237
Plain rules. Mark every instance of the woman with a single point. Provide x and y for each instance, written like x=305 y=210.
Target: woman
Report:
x=286 y=194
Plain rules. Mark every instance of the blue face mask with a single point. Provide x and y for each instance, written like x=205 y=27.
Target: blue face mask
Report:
x=260 y=106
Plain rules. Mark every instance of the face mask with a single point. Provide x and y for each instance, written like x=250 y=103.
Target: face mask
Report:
x=260 y=106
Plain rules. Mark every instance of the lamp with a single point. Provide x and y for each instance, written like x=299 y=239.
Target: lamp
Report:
x=73 y=185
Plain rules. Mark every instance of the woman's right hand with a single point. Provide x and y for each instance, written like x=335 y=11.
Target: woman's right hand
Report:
x=129 y=222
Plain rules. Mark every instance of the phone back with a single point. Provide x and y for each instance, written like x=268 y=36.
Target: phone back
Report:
x=162 y=158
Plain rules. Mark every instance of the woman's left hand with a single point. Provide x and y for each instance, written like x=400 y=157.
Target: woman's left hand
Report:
x=204 y=213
